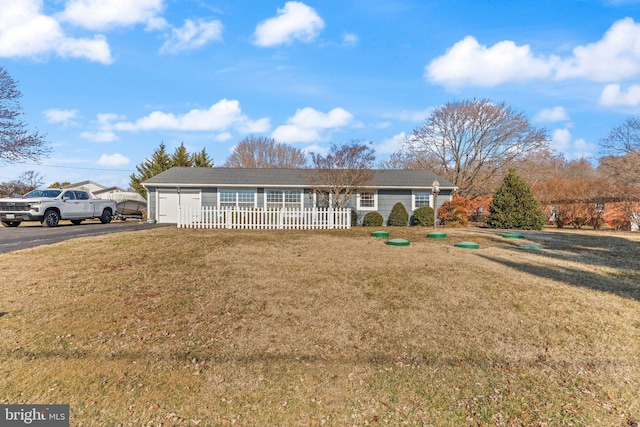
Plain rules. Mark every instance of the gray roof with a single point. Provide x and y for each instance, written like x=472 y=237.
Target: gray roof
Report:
x=265 y=177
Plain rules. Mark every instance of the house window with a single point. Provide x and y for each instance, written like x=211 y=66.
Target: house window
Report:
x=291 y=199
x=599 y=207
x=421 y=199
x=367 y=200
x=236 y=198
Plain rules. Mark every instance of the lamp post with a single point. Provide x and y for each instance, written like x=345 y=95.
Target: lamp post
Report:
x=435 y=189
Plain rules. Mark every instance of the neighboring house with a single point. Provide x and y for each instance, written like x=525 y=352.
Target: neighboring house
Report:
x=94 y=187
x=612 y=211
x=278 y=188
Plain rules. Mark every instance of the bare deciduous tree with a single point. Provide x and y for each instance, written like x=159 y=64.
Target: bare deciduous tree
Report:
x=16 y=142
x=403 y=161
x=623 y=139
x=260 y=152
x=26 y=182
x=621 y=147
x=474 y=141
x=342 y=173
x=622 y=170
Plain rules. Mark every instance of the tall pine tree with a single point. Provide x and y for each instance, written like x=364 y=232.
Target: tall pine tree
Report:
x=201 y=160
x=181 y=157
x=161 y=161
x=514 y=206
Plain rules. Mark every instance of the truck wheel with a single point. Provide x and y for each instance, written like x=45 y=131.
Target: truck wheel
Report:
x=76 y=221
x=51 y=219
x=11 y=223
x=105 y=218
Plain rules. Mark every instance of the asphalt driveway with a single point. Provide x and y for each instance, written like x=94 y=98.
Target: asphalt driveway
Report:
x=32 y=235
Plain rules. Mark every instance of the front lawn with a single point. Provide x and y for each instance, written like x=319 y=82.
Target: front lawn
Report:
x=260 y=328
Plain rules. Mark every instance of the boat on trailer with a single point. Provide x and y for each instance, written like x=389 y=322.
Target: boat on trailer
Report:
x=129 y=204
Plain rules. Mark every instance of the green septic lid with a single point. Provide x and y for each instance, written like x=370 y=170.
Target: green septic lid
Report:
x=437 y=235
x=530 y=246
x=398 y=242
x=513 y=236
x=384 y=234
x=468 y=245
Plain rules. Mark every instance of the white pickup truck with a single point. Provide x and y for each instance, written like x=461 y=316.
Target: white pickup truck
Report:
x=51 y=205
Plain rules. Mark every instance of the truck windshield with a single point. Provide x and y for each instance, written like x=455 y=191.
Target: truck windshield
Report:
x=42 y=193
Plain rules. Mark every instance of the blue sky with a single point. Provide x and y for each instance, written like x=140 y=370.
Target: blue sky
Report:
x=109 y=80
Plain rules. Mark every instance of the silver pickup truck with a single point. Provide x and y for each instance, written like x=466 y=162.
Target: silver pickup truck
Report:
x=51 y=205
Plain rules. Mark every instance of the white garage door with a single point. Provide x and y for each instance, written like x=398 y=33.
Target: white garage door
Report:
x=168 y=206
x=191 y=199
x=169 y=200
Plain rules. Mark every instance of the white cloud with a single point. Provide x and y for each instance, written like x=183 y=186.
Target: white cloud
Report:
x=64 y=117
x=192 y=35
x=113 y=160
x=255 y=126
x=106 y=14
x=307 y=125
x=615 y=57
x=612 y=95
x=26 y=32
x=555 y=114
x=104 y=123
x=391 y=145
x=563 y=141
x=100 y=136
x=350 y=40
x=96 y=49
x=296 y=21
x=468 y=63
x=291 y=133
x=221 y=116
x=224 y=136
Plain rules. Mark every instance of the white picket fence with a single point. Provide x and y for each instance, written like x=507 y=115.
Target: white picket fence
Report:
x=298 y=219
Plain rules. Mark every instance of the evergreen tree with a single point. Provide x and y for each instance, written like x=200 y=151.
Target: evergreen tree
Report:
x=514 y=206
x=399 y=216
x=201 y=160
x=160 y=161
x=181 y=157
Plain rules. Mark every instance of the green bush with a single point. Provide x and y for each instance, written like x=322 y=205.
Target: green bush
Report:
x=514 y=206
x=372 y=219
x=354 y=217
x=423 y=216
x=398 y=216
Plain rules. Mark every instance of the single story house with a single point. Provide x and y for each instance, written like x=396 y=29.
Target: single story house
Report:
x=291 y=188
x=94 y=187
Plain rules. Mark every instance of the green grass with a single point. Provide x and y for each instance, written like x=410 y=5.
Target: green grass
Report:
x=217 y=327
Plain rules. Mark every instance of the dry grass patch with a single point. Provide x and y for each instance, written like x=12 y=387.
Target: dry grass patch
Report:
x=214 y=327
